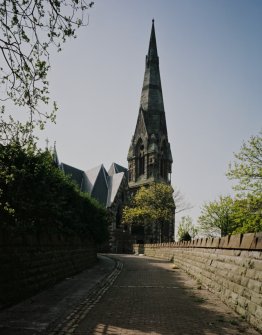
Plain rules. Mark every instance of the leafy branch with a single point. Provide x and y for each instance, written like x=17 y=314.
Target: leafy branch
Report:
x=28 y=28
x=247 y=169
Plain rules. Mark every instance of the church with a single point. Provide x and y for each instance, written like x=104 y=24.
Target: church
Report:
x=149 y=159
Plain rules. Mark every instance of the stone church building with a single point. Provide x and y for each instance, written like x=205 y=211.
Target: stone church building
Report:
x=149 y=156
x=149 y=160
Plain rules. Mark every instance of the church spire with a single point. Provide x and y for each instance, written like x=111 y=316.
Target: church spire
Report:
x=152 y=102
x=152 y=50
x=149 y=156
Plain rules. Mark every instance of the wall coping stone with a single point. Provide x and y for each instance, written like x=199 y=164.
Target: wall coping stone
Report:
x=249 y=241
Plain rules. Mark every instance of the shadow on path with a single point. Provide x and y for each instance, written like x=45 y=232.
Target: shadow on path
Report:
x=150 y=297
x=46 y=309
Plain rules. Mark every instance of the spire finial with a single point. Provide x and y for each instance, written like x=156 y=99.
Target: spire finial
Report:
x=152 y=51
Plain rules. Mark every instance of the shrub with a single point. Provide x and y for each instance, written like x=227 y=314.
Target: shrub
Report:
x=36 y=196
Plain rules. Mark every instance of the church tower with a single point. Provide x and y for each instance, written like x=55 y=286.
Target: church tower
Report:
x=149 y=156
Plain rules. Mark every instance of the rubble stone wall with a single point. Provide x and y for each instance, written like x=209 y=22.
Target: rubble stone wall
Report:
x=230 y=266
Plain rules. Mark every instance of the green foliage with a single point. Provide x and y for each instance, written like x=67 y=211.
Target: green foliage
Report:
x=216 y=217
x=231 y=216
x=186 y=229
x=36 y=196
x=154 y=203
x=247 y=214
x=185 y=236
x=247 y=169
x=243 y=214
x=28 y=30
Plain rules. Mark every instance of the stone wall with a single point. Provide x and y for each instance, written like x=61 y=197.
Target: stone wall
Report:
x=30 y=263
x=231 y=267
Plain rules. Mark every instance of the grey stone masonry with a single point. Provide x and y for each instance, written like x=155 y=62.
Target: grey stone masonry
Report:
x=149 y=156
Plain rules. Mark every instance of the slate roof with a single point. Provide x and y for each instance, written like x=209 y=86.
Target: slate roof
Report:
x=99 y=183
x=116 y=168
x=92 y=176
x=114 y=183
x=75 y=174
x=100 y=186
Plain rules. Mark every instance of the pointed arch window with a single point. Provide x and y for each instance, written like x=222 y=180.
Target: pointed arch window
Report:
x=140 y=158
x=141 y=164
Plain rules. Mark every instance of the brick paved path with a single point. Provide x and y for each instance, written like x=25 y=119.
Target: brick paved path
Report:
x=150 y=297
x=48 y=309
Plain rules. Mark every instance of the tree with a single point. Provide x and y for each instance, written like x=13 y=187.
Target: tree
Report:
x=243 y=214
x=247 y=169
x=154 y=204
x=186 y=230
x=247 y=214
x=232 y=216
x=28 y=29
x=216 y=217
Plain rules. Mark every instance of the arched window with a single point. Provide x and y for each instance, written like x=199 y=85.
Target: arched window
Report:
x=141 y=158
x=141 y=164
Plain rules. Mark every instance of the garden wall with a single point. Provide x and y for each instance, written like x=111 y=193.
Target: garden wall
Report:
x=230 y=266
x=30 y=262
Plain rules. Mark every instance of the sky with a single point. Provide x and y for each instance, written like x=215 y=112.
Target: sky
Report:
x=210 y=64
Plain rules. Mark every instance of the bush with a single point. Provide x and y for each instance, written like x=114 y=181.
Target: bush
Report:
x=36 y=196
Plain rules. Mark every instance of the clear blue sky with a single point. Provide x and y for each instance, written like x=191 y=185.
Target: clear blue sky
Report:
x=210 y=63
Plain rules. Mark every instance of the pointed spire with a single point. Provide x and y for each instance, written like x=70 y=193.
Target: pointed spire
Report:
x=55 y=155
x=149 y=156
x=152 y=50
x=151 y=101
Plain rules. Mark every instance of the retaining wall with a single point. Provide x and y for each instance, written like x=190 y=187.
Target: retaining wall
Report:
x=30 y=263
x=230 y=266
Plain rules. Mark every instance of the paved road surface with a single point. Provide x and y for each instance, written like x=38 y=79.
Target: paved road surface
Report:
x=150 y=297
x=139 y=296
